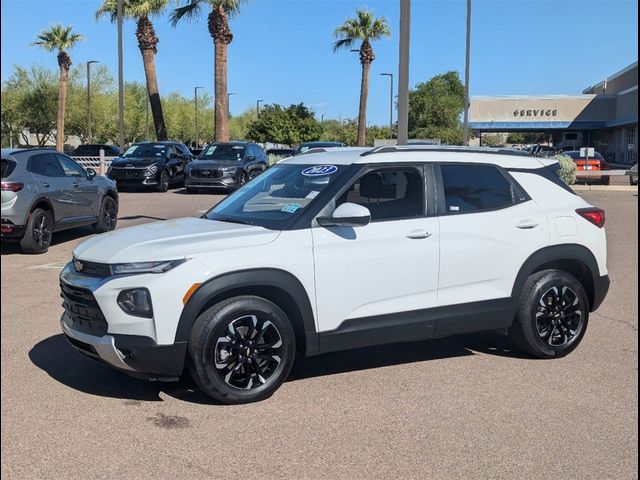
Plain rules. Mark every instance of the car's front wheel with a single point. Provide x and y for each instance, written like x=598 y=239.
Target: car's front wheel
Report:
x=38 y=233
x=241 y=349
x=552 y=316
x=163 y=182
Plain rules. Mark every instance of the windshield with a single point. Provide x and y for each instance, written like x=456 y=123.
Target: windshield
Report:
x=222 y=152
x=277 y=197
x=146 y=151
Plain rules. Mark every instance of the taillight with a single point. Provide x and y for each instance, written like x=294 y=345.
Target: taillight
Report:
x=12 y=186
x=593 y=215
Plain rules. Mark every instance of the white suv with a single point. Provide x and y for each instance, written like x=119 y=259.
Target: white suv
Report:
x=340 y=249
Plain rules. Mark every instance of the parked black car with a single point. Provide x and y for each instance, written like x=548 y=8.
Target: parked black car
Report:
x=226 y=165
x=93 y=150
x=153 y=164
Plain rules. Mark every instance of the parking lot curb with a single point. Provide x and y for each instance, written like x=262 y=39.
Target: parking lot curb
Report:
x=605 y=188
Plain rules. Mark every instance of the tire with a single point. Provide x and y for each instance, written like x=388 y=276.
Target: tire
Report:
x=242 y=179
x=38 y=233
x=254 y=174
x=108 y=216
x=229 y=363
x=606 y=180
x=163 y=181
x=633 y=182
x=557 y=328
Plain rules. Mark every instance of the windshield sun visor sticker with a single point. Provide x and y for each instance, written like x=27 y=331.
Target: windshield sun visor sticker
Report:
x=318 y=170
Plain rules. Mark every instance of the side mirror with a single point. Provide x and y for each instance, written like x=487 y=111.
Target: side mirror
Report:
x=347 y=215
x=91 y=173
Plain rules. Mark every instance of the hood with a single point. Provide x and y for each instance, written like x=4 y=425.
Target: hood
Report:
x=135 y=161
x=171 y=240
x=215 y=164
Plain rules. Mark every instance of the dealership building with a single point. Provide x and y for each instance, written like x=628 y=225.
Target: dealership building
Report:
x=604 y=116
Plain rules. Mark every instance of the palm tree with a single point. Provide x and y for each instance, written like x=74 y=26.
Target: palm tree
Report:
x=365 y=28
x=218 y=24
x=140 y=11
x=61 y=39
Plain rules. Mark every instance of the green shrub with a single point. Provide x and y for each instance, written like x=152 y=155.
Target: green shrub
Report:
x=567 y=172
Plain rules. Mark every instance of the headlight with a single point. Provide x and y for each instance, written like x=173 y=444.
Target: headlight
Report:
x=152 y=169
x=136 y=301
x=229 y=169
x=145 y=267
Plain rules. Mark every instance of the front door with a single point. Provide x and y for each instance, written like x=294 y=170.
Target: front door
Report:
x=378 y=283
x=54 y=185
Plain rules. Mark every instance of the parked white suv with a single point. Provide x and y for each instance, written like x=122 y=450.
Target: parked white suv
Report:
x=340 y=249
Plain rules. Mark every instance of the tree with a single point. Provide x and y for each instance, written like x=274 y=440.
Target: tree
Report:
x=220 y=31
x=29 y=105
x=61 y=39
x=291 y=125
x=435 y=108
x=365 y=28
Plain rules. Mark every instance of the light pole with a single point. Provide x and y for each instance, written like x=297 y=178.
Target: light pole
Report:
x=322 y=118
x=229 y=103
x=258 y=102
x=390 y=75
x=403 y=73
x=195 y=104
x=89 y=99
x=465 y=124
x=120 y=79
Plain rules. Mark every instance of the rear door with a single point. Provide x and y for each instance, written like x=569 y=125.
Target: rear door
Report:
x=84 y=190
x=489 y=226
x=52 y=182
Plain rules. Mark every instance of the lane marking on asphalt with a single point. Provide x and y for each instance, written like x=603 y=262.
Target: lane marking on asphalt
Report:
x=49 y=266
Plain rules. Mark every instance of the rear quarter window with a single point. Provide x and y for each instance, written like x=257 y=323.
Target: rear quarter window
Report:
x=476 y=188
x=7 y=167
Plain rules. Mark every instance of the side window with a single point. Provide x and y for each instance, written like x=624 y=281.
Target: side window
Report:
x=45 y=164
x=182 y=150
x=71 y=168
x=389 y=194
x=171 y=149
x=476 y=188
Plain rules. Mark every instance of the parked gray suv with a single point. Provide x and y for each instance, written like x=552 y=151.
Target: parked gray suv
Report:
x=45 y=191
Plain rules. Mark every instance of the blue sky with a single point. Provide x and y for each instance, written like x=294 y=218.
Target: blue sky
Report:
x=282 y=48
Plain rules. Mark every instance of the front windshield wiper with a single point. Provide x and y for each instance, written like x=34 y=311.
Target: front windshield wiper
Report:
x=233 y=220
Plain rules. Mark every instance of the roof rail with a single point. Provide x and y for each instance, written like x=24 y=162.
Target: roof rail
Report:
x=444 y=148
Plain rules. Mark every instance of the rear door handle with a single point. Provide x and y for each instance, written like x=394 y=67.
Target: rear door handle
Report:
x=45 y=184
x=418 y=234
x=527 y=225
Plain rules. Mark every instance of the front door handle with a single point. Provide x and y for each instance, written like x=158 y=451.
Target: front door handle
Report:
x=418 y=234
x=527 y=225
x=45 y=184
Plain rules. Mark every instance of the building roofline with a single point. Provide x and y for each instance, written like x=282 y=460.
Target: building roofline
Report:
x=613 y=77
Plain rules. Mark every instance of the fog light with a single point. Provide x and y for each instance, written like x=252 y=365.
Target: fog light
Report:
x=136 y=301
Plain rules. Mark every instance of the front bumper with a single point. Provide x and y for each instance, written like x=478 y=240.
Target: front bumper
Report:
x=203 y=182
x=133 y=354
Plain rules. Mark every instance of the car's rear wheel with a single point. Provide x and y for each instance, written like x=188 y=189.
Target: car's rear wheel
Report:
x=606 y=180
x=108 y=216
x=552 y=316
x=241 y=349
x=163 y=182
x=38 y=233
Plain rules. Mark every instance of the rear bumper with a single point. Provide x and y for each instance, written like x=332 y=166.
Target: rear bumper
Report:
x=10 y=230
x=600 y=289
x=136 y=355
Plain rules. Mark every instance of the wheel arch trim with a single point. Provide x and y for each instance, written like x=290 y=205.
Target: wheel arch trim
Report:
x=228 y=284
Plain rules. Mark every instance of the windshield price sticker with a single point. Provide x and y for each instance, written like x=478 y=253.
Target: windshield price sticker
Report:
x=312 y=194
x=318 y=170
x=291 y=207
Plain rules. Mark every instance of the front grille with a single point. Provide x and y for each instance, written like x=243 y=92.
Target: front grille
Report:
x=213 y=173
x=128 y=173
x=93 y=269
x=83 y=310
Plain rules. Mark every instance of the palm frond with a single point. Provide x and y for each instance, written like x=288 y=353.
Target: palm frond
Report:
x=188 y=12
x=57 y=37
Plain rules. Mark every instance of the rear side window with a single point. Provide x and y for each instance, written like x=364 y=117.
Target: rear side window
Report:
x=7 y=167
x=476 y=188
x=45 y=164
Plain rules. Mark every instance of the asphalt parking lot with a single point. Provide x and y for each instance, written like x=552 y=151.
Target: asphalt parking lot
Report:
x=459 y=407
